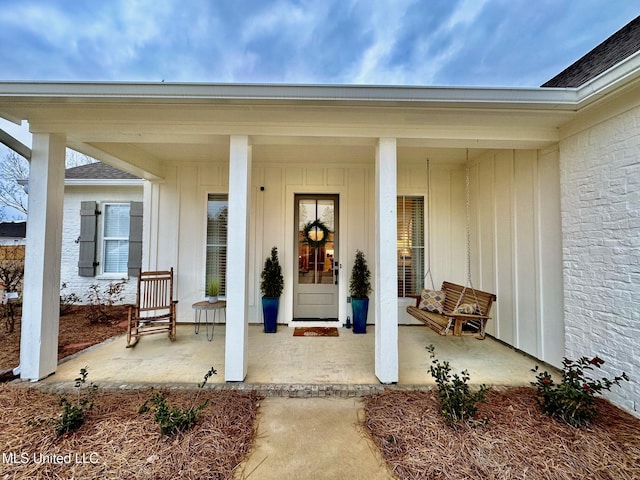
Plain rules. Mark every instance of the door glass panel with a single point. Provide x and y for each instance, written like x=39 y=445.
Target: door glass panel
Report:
x=315 y=263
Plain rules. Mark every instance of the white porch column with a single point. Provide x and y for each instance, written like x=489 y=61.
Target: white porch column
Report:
x=386 y=268
x=236 y=354
x=41 y=292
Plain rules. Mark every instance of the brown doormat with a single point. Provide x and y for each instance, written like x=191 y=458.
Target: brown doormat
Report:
x=315 y=332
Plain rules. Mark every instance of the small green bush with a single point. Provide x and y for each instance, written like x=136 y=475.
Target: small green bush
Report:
x=572 y=401
x=74 y=414
x=458 y=404
x=173 y=420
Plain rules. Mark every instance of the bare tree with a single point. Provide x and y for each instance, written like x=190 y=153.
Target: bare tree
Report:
x=11 y=276
x=14 y=169
x=75 y=159
x=12 y=195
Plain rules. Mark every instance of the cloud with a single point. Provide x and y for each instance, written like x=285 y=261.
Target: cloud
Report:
x=442 y=42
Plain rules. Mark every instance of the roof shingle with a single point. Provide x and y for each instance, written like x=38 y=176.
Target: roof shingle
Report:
x=622 y=44
x=97 y=171
x=13 y=229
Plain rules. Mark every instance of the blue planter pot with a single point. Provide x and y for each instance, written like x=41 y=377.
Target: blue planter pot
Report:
x=270 y=312
x=360 y=307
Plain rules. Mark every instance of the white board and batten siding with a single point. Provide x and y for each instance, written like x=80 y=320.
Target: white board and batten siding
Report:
x=517 y=248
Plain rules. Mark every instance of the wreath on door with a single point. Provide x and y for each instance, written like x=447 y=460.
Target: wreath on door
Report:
x=316 y=226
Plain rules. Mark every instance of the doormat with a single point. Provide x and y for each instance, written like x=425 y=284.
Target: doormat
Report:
x=315 y=332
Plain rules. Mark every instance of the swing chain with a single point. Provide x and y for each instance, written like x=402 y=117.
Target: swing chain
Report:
x=428 y=199
x=468 y=222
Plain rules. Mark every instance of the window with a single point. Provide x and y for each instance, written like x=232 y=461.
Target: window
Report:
x=410 y=245
x=217 y=215
x=115 y=237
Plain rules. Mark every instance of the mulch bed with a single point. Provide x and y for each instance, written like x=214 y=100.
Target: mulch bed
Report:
x=76 y=334
x=117 y=442
x=518 y=442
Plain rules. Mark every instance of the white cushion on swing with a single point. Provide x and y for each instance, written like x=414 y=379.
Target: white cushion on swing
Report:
x=468 y=308
x=432 y=301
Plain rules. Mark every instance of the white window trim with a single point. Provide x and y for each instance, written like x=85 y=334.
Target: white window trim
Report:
x=101 y=244
x=426 y=226
x=203 y=281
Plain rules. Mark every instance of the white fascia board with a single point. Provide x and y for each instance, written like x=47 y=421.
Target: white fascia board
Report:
x=617 y=76
x=170 y=93
x=96 y=182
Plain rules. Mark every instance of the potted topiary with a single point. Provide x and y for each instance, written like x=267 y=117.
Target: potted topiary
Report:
x=359 y=289
x=213 y=290
x=271 y=286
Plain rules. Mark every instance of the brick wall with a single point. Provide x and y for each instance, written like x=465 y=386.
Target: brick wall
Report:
x=71 y=232
x=600 y=183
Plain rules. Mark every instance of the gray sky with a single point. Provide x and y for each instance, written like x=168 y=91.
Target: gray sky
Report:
x=393 y=42
x=512 y=43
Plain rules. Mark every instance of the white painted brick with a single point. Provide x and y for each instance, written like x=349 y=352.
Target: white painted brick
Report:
x=600 y=173
x=71 y=232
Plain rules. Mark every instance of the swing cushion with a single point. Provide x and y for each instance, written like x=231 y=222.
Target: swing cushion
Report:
x=432 y=301
x=468 y=308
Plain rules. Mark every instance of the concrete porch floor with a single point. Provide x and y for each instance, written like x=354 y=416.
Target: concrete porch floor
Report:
x=281 y=358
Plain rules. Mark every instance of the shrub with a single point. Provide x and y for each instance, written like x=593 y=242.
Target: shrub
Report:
x=11 y=276
x=360 y=281
x=573 y=399
x=173 y=420
x=458 y=404
x=74 y=414
x=272 y=281
x=99 y=303
x=67 y=300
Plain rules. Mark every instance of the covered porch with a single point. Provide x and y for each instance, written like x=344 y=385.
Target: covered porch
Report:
x=280 y=360
x=259 y=147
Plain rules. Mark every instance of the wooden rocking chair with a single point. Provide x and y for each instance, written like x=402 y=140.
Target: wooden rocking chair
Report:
x=155 y=308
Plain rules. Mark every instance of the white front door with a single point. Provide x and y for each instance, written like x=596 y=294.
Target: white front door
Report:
x=316 y=231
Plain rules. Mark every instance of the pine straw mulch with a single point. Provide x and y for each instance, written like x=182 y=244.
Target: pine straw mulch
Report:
x=76 y=333
x=118 y=442
x=518 y=442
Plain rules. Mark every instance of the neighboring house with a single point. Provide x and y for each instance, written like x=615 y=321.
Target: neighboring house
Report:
x=12 y=246
x=232 y=170
x=102 y=229
x=13 y=233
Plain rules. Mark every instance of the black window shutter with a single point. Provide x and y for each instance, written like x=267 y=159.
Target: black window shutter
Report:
x=135 y=238
x=88 y=231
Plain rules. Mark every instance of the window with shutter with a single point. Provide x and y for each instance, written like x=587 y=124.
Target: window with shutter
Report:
x=216 y=261
x=410 y=225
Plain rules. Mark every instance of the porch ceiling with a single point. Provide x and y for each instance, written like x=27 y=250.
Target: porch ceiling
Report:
x=142 y=129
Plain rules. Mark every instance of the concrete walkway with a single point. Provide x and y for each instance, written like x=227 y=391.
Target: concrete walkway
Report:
x=312 y=438
x=309 y=419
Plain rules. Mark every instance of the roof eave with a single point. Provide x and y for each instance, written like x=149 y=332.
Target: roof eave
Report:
x=622 y=74
x=273 y=93
x=97 y=182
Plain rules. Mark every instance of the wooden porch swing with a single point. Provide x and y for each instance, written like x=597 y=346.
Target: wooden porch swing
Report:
x=459 y=309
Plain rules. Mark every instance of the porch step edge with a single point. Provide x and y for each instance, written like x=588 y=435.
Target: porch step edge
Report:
x=262 y=389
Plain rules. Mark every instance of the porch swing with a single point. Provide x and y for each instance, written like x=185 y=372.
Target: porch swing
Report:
x=457 y=309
